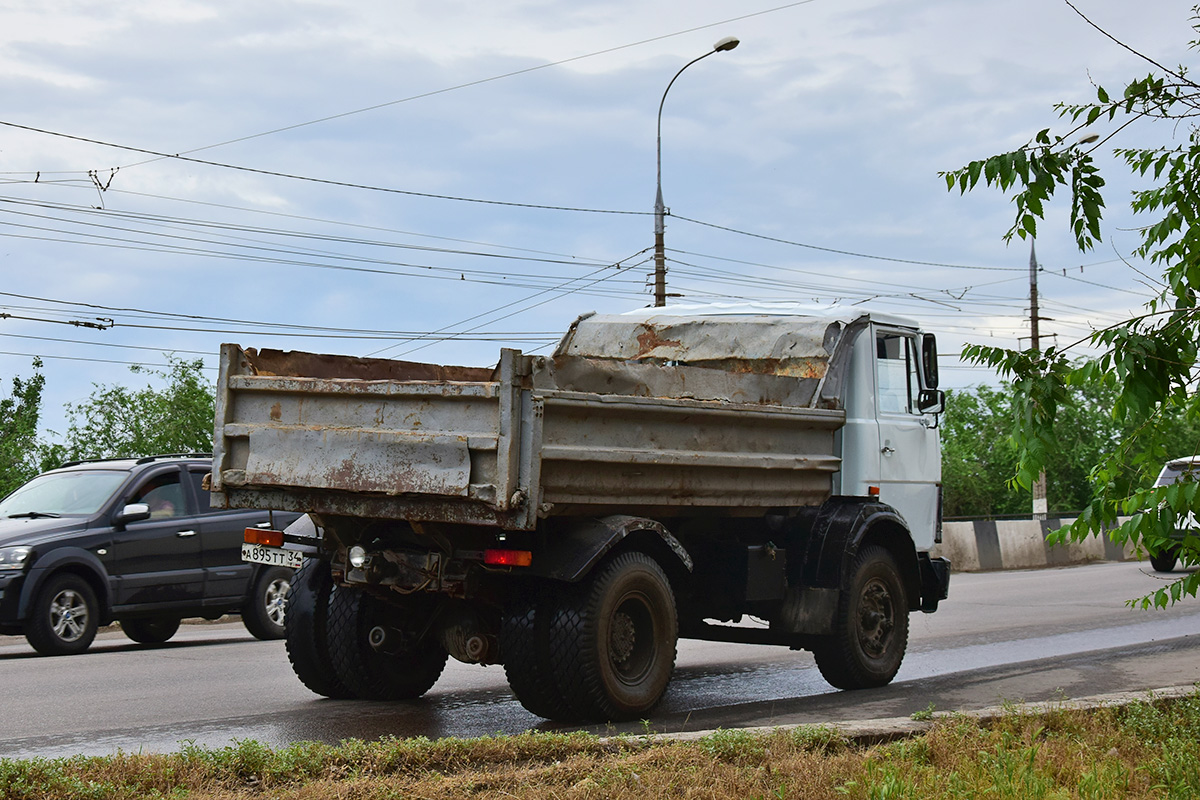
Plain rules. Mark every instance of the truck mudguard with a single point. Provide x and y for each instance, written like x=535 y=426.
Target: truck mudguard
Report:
x=828 y=541
x=570 y=554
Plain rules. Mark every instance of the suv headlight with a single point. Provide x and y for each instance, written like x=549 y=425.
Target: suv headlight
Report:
x=14 y=557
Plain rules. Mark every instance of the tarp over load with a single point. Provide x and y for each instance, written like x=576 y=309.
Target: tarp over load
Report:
x=755 y=358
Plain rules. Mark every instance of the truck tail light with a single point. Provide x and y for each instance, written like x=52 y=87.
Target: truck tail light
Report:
x=264 y=537
x=508 y=558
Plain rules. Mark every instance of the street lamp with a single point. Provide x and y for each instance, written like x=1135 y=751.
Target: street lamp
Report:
x=660 y=258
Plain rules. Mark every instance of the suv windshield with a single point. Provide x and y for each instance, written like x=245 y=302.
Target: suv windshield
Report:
x=1175 y=470
x=83 y=492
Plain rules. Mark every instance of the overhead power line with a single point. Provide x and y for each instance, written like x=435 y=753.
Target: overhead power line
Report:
x=304 y=178
x=183 y=155
x=278 y=326
x=840 y=252
x=481 y=81
x=91 y=360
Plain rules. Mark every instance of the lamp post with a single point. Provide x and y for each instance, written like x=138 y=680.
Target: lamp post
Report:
x=660 y=258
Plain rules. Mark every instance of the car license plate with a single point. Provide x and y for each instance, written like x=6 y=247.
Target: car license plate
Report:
x=275 y=556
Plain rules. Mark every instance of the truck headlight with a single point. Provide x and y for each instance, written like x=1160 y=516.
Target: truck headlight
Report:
x=14 y=557
x=358 y=557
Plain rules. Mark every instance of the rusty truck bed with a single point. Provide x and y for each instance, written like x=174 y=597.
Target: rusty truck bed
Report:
x=656 y=416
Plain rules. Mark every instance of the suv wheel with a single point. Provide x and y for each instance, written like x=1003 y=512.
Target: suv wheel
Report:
x=150 y=630
x=64 y=618
x=263 y=615
x=1165 y=559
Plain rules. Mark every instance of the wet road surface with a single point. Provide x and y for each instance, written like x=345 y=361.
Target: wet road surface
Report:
x=1012 y=636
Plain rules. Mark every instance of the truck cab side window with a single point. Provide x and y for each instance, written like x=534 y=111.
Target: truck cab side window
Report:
x=896 y=369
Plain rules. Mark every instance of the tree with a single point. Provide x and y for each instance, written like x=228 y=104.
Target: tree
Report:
x=18 y=430
x=979 y=456
x=118 y=421
x=1149 y=361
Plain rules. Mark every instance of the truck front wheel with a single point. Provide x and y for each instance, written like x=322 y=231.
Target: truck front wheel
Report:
x=371 y=656
x=612 y=639
x=871 y=628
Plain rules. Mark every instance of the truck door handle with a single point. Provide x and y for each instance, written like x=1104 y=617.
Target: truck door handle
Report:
x=888 y=450
x=185 y=534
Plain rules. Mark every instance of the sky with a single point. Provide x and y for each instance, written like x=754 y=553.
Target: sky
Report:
x=435 y=181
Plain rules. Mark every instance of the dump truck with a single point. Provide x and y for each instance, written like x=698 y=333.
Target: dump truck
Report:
x=730 y=474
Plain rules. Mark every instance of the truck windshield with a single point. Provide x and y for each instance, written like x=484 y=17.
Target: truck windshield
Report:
x=63 y=493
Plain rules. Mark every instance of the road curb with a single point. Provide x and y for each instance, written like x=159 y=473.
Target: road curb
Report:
x=890 y=729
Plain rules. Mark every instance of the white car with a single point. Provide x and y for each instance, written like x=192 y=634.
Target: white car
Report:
x=1173 y=471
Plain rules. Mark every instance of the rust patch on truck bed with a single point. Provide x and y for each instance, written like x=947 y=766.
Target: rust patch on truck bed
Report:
x=290 y=363
x=650 y=340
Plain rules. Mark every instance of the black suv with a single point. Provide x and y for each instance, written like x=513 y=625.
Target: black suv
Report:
x=132 y=540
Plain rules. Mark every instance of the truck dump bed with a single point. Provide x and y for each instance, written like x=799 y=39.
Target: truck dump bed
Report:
x=657 y=415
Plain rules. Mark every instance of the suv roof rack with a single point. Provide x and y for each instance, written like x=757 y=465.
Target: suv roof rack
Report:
x=148 y=459
x=135 y=459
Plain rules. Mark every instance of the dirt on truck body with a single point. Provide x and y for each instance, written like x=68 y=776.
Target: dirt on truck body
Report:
x=660 y=475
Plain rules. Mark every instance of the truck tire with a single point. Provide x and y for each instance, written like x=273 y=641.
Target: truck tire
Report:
x=64 y=618
x=391 y=672
x=1164 y=560
x=612 y=639
x=525 y=649
x=150 y=630
x=266 y=608
x=871 y=628
x=305 y=630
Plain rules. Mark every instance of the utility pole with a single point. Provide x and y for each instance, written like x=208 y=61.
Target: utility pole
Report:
x=1040 y=505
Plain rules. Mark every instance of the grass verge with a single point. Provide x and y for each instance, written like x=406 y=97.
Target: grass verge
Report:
x=1147 y=749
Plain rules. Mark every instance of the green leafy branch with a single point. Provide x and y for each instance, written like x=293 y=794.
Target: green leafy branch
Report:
x=1149 y=359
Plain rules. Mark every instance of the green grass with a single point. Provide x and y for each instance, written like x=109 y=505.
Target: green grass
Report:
x=1145 y=750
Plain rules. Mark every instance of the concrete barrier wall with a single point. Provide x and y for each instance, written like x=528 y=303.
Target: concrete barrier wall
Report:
x=1020 y=544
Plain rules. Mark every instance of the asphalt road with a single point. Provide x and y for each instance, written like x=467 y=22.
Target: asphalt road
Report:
x=1009 y=636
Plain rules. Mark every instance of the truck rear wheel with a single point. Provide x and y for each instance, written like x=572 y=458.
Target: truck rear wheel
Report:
x=871 y=628
x=525 y=648
x=305 y=625
x=612 y=639
x=371 y=657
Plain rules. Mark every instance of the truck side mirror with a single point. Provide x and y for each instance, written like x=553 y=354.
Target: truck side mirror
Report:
x=929 y=363
x=931 y=401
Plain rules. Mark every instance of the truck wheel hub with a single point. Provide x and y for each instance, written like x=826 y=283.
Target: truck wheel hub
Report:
x=623 y=637
x=876 y=618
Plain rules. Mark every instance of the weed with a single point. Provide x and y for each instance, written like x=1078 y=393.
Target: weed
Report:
x=925 y=714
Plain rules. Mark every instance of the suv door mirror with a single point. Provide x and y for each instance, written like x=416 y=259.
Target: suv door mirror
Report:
x=133 y=512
